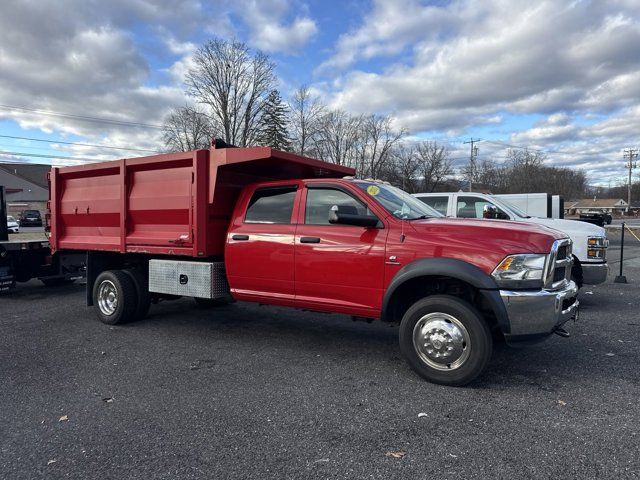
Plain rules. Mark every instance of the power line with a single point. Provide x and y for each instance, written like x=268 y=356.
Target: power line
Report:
x=79 y=144
x=42 y=155
x=495 y=142
x=82 y=117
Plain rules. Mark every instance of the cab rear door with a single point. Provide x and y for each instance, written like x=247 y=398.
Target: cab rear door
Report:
x=259 y=253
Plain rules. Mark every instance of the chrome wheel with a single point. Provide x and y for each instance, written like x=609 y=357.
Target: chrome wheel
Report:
x=107 y=297
x=441 y=341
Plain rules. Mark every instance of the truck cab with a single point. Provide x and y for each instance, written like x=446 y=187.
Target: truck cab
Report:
x=589 y=241
x=370 y=250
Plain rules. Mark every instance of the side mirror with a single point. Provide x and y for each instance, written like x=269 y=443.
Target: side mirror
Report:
x=490 y=211
x=337 y=217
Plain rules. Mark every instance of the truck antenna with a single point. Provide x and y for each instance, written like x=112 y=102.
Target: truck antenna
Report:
x=402 y=220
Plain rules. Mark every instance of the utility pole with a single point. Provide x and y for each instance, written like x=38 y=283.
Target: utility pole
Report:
x=472 y=159
x=630 y=154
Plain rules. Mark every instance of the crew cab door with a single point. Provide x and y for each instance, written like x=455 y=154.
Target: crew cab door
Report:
x=260 y=244
x=338 y=268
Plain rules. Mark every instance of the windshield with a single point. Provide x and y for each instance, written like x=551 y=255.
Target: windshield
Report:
x=513 y=208
x=10 y=219
x=398 y=203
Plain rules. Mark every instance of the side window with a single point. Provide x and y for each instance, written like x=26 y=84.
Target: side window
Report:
x=321 y=200
x=271 y=205
x=473 y=207
x=437 y=203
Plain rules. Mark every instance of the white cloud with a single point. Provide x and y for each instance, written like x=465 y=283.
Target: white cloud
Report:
x=83 y=60
x=461 y=65
x=268 y=31
x=490 y=57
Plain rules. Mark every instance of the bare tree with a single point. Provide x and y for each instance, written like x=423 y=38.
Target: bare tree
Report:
x=187 y=128
x=306 y=112
x=375 y=140
x=337 y=138
x=434 y=165
x=525 y=172
x=402 y=168
x=233 y=83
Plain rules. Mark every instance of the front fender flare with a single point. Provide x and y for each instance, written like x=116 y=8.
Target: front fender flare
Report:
x=453 y=268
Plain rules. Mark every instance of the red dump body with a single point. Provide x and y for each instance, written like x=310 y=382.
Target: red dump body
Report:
x=174 y=204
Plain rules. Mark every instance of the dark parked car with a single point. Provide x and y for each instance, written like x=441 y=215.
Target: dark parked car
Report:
x=30 y=218
x=597 y=217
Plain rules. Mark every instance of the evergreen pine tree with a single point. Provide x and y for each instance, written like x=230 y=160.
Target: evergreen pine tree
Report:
x=273 y=123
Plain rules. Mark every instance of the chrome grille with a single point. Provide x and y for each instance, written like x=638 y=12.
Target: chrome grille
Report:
x=558 y=271
x=562 y=252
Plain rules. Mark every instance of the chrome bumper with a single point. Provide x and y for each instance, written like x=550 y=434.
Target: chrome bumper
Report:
x=537 y=313
x=594 y=273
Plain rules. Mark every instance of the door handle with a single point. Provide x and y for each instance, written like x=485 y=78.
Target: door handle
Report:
x=240 y=237
x=309 y=239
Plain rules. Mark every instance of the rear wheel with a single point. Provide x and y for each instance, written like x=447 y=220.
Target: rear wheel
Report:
x=115 y=297
x=142 y=292
x=445 y=340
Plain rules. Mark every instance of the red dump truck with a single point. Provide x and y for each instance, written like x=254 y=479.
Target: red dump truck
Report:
x=260 y=225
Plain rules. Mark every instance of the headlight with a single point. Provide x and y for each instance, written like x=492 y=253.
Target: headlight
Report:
x=596 y=248
x=520 y=271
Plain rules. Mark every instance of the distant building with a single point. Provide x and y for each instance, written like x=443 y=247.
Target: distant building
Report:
x=608 y=205
x=26 y=186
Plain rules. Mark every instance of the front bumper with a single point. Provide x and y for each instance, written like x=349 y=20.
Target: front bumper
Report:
x=537 y=313
x=594 y=273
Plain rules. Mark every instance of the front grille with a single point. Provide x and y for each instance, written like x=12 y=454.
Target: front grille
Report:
x=567 y=302
x=562 y=252
x=559 y=274
x=559 y=271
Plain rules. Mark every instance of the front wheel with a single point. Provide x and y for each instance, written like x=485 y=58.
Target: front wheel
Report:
x=445 y=340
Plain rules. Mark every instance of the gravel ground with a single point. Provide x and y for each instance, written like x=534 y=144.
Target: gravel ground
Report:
x=253 y=392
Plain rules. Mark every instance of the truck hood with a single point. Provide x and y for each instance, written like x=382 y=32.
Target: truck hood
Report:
x=512 y=237
x=569 y=227
x=483 y=243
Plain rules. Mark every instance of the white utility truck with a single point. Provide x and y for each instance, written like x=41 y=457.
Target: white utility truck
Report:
x=589 y=241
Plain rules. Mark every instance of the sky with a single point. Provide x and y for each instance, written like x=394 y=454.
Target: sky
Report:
x=558 y=77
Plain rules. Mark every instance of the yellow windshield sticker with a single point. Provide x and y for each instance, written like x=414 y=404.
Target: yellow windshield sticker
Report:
x=373 y=190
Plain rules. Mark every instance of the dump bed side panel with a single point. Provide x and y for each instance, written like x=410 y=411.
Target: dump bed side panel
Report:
x=138 y=205
x=89 y=210
x=172 y=204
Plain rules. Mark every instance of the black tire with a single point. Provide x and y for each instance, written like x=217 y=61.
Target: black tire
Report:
x=576 y=273
x=141 y=283
x=124 y=292
x=205 y=303
x=479 y=345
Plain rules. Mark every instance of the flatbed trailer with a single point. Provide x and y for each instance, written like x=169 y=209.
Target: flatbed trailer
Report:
x=22 y=260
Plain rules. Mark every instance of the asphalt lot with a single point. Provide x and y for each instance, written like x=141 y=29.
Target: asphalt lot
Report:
x=246 y=391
